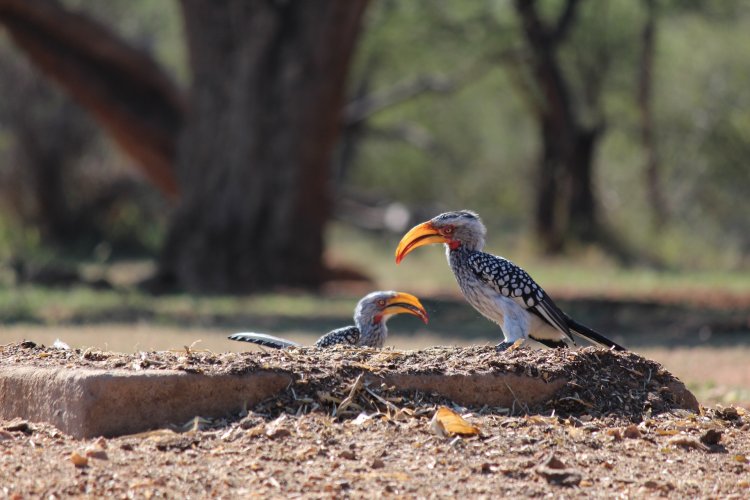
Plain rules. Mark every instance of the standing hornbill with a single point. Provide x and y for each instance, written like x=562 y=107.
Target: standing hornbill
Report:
x=500 y=290
x=369 y=329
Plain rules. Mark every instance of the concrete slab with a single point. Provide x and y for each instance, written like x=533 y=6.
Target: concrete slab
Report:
x=87 y=403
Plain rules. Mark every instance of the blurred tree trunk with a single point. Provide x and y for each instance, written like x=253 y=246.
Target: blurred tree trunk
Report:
x=254 y=158
x=251 y=150
x=652 y=175
x=48 y=141
x=565 y=206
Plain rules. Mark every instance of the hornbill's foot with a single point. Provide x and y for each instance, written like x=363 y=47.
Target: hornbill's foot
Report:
x=503 y=346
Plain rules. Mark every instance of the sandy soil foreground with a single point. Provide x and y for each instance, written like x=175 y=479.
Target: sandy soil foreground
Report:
x=613 y=431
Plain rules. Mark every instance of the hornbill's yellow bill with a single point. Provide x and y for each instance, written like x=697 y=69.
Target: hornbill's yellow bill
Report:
x=405 y=303
x=418 y=236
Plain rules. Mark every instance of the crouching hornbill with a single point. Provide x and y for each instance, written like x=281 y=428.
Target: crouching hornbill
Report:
x=369 y=329
x=500 y=290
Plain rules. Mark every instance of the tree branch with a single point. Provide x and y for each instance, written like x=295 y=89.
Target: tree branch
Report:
x=652 y=173
x=565 y=21
x=555 y=103
x=408 y=132
x=364 y=107
x=122 y=87
x=536 y=32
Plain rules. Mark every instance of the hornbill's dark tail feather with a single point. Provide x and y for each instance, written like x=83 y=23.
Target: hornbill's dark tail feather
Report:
x=586 y=332
x=263 y=339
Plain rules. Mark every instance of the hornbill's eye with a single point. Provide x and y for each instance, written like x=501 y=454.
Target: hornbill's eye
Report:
x=447 y=230
x=381 y=303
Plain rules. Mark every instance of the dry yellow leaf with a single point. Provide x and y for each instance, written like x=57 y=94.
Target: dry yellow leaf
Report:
x=447 y=422
x=667 y=432
x=538 y=420
x=78 y=459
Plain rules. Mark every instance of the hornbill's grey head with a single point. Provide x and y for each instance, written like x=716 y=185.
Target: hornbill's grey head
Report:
x=456 y=229
x=377 y=307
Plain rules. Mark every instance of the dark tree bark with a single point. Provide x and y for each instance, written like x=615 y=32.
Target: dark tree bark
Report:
x=652 y=174
x=123 y=88
x=254 y=159
x=565 y=206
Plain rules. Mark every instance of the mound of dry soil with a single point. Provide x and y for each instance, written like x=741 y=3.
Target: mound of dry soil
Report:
x=594 y=382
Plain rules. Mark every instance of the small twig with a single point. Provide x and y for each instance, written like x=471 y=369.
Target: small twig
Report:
x=580 y=401
x=387 y=403
x=515 y=399
x=356 y=386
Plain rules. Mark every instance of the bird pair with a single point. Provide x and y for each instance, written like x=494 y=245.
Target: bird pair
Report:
x=500 y=290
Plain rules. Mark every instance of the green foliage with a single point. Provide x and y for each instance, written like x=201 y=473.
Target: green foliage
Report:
x=591 y=271
x=475 y=145
x=707 y=154
x=483 y=143
x=468 y=156
x=703 y=137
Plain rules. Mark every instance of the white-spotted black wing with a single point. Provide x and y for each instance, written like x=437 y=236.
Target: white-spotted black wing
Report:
x=348 y=335
x=511 y=281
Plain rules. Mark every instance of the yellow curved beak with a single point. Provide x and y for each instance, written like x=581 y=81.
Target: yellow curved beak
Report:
x=406 y=303
x=418 y=236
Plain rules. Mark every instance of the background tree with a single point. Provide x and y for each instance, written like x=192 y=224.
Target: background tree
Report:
x=645 y=86
x=250 y=147
x=267 y=90
x=566 y=102
x=564 y=194
x=563 y=59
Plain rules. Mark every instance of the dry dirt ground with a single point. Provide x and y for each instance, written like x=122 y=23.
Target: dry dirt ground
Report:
x=614 y=432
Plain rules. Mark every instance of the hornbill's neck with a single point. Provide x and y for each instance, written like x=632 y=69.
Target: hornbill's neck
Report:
x=458 y=253
x=467 y=242
x=371 y=332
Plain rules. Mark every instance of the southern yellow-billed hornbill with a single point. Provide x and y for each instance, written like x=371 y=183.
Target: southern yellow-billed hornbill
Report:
x=369 y=329
x=497 y=288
